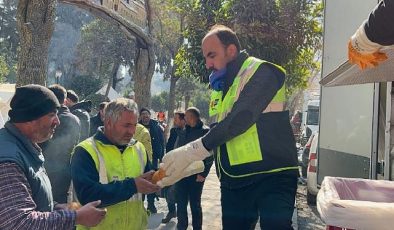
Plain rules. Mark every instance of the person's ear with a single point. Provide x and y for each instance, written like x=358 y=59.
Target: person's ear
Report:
x=232 y=50
x=107 y=122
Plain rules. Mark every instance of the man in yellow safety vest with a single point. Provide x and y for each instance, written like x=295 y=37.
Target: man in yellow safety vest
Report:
x=254 y=146
x=113 y=168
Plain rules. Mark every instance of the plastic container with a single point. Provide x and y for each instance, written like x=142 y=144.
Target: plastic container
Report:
x=358 y=204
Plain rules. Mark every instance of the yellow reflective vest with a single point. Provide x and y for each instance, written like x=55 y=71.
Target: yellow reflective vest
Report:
x=112 y=165
x=243 y=155
x=142 y=135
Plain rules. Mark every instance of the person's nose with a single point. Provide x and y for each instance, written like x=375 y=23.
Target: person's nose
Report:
x=208 y=64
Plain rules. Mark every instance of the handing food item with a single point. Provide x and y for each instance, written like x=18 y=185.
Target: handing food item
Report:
x=74 y=206
x=158 y=175
x=193 y=168
x=365 y=60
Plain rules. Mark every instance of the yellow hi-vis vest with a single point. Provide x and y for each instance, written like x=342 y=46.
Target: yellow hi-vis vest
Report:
x=245 y=148
x=112 y=165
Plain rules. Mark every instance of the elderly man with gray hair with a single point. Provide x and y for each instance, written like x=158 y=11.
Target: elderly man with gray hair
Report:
x=114 y=168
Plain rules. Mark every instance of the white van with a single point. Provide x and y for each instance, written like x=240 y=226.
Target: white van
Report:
x=310 y=120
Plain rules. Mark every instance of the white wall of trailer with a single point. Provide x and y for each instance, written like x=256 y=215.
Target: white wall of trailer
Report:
x=348 y=114
x=346 y=111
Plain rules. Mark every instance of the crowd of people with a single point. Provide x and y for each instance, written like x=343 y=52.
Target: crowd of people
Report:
x=59 y=168
x=64 y=158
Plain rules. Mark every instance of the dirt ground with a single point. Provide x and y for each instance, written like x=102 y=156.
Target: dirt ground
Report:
x=308 y=216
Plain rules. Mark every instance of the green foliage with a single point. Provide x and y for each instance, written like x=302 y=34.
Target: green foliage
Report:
x=72 y=15
x=160 y=101
x=186 y=86
x=62 y=53
x=200 y=99
x=287 y=32
x=9 y=37
x=167 y=31
x=101 y=46
x=84 y=85
x=3 y=69
x=96 y=99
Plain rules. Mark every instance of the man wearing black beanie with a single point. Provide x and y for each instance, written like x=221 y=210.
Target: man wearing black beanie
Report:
x=25 y=190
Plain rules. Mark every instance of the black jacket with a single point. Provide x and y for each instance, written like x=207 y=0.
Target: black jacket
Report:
x=57 y=152
x=157 y=137
x=81 y=111
x=379 y=28
x=274 y=128
x=190 y=134
x=95 y=122
x=172 y=139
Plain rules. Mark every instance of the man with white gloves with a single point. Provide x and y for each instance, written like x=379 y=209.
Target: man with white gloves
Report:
x=376 y=32
x=253 y=143
x=175 y=163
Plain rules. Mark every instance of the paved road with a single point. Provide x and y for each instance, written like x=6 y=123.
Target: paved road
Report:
x=210 y=206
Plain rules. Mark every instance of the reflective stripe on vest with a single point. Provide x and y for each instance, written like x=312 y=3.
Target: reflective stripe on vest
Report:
x=244 y=148
x=103 y=171
x=116 y=166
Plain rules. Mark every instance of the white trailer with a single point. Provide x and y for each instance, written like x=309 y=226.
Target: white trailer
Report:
x=352 y=140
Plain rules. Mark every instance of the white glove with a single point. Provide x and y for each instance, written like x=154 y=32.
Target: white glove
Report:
x=194 y=168
x=362 y=44
x=177 y=160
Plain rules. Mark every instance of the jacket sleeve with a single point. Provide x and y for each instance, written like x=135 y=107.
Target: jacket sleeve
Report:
x=379 y=27
x=17 y=207
x=87 y=186
x=207 y=164
x=171 y=140
x=162 y=141
x=252 y=101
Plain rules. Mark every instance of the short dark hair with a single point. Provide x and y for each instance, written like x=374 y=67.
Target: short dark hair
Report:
x=73 y=96
x=59 y=91
x=143 y=109
x=102 y=105
x=194 y=111
x=181 y=114
x=226 y=35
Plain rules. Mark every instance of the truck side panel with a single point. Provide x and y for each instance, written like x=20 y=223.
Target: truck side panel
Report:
x=346 y=112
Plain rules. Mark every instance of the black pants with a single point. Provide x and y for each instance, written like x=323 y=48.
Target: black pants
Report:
x=151 y=200
x=171 y=207
x=189 y=190
x=272 y=199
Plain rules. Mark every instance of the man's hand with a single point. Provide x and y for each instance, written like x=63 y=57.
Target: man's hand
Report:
x=148 y=175
x=59 y=206
x=200 y=178
x=144 y=184
x=90 y=216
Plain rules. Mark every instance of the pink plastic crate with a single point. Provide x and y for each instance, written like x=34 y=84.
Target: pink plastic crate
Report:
x=358 y=204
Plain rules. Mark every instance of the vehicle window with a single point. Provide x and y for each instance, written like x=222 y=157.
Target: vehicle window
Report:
x=312 y=117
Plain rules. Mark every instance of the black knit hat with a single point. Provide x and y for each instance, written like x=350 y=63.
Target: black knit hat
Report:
x=144 y=109
x=31 y=102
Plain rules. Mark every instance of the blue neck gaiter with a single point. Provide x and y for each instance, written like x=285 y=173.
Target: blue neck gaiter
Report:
x=216 y=79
